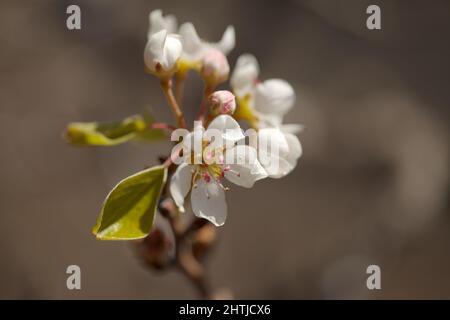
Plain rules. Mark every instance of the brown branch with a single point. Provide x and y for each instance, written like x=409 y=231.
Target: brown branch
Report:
x=204 y=105
x=184 y=258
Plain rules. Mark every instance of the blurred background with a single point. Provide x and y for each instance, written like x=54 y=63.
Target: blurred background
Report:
x=371 y=188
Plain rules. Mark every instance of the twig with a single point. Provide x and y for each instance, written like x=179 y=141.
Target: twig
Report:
x=184 y=259
x=179 y=86
x=163 y=126
x=166 y=85
x=203 y=107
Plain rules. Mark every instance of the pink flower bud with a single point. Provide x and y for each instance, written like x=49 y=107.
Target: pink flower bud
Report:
x=215 y=67
x=222 y=102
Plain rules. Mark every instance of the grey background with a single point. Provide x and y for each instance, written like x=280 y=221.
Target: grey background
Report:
x=371 y=188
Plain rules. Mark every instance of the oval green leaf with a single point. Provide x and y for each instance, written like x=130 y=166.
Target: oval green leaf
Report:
x=130 y=207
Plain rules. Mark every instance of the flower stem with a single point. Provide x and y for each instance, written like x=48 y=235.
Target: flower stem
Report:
x=179 y=86
x=167 y=163
x=203 y=107
x=166 y=86
x=163 y=126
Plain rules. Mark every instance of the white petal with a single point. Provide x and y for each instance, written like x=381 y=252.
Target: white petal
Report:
x=274 y=139
x=245 y=73
x=171 y=23
x=282 y=159
x=180 y=184
x=172 y=51
x=230 y=129
x=245 y=167
x=192 y=146
x=273 y=148
x=288 y=160
x=269 y=120
x=154 y=49
x=274 y=96
x=208 y=202
x=228 y=41
x=157 y=23
x=292 y=128
x=192 y=43
x=295 y=149
x=283 y=168
x=163 y=49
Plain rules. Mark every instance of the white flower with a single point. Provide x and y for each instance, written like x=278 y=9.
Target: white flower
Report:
x=205 y=180
x=162 y=52
x=269 y=100
x=265 y=104
x=194 y=48
x=158 y=22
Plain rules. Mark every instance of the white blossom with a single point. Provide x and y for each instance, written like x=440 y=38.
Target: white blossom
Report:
x=204 y=180
x=267 y=102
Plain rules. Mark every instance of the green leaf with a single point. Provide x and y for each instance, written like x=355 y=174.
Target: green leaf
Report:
x=110 y=133
x=130 y=207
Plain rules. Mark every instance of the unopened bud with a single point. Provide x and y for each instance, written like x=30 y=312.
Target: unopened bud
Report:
x=162 y=53
x=215 y=67
x=222 y=102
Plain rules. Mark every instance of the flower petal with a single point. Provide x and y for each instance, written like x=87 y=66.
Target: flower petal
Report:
x=293 y=128
x=158 y=22
x=228 y=41
x=244 y=75
x=208 y=202
x=154 y=49
x=289 y=151
x=273 y=148
x=163 y=49
x=192 y=44
x=180 y=184
x=295 y=149
x=229 y=128
x=172 y=51
x=274 y=96
x=244 y=165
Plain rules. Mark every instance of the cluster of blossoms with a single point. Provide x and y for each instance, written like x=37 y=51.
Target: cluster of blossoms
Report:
x=273 y=150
